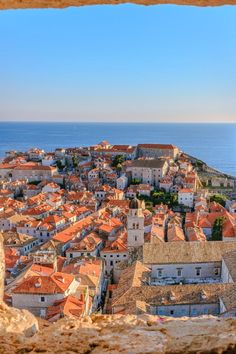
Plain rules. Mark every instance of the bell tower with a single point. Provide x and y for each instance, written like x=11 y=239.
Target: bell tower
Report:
x=135 y=224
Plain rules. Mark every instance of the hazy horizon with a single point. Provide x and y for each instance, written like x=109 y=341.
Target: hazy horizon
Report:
x=126 y=63
x=115 y=122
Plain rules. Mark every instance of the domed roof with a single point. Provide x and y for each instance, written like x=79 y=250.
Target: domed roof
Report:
x=134 y=204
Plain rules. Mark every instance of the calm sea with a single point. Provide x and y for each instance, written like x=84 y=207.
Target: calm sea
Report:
x=213 y=143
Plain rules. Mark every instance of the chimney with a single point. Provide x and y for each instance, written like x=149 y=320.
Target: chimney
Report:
x=55 y=264
x=38 y=283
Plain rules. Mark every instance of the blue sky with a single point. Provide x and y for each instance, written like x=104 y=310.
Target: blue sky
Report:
x=119 y=63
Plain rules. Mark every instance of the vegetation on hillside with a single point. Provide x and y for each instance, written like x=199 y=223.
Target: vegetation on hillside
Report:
x=221 y=199
x=160 y=197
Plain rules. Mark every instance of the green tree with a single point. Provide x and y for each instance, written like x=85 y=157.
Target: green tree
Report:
x=135 y=181
x=221 y=199
x=119 y=167
x=75 y=161
x=59 y=165
x=217 y=229
x=118 y=160
x=161 y=197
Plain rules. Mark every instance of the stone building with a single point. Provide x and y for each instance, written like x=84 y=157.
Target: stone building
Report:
x=37 y=293
x=187 y=262
x=157 y=150
x=192 y=279
x=148 y=171
x=135 y=224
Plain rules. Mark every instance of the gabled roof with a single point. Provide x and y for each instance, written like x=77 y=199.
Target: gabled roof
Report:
x=186 y=252
x=70 y=306
x=53 y=284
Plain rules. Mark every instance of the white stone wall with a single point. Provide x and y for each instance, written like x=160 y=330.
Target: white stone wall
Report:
x=32 y=175
x=5 y=225
x=152 y=152
x=122 y=182
x=33 y=302
x=110 y=259
x=149 y=176
x=225 y=275
x=188 y=310
x=186 y=199
x=188 y=270
x=135 y=228
x=74 y=254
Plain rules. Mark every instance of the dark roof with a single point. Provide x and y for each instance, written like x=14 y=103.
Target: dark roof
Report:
x=157 y=146
x=149 y=163
x=186 y=252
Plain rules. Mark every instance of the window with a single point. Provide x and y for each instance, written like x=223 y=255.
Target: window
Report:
x=42 y=299
x=171 y=312
x=198 y=272
x=111 y=263
x=135 y=238
x=159 y=272
x=179 y=272
x=217 y=271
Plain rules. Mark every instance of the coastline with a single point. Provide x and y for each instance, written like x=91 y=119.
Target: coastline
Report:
x=212 y=143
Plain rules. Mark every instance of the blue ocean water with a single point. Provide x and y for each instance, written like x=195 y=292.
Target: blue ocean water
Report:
x=213 y=143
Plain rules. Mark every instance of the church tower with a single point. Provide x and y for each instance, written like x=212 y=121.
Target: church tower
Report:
x=135 y=224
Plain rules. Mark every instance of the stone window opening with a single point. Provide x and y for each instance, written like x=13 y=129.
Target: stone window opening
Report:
x=198 y=271
x=179 y=272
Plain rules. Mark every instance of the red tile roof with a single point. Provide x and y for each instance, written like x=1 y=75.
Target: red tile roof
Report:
x=54 y=284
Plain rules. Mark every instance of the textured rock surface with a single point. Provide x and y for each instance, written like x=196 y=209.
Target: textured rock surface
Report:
x=17 y=321
x=16 y=4
x=128 y=334
x=2 y=267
